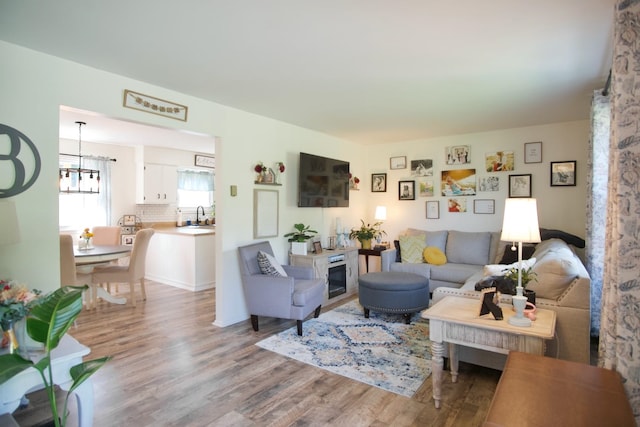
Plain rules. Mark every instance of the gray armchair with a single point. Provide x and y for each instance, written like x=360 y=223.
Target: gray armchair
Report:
x=292 y=297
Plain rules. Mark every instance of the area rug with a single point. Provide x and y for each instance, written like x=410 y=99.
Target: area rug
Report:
x=381 y=351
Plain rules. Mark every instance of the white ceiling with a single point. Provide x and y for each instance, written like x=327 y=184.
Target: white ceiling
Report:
x=364 y=70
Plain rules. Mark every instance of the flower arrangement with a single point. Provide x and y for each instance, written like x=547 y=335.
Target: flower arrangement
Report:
x=260 y=168
x=86 y=234
x=280 y=167
x=15 y=301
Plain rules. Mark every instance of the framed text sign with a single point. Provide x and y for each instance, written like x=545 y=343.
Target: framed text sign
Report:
x=205 y=161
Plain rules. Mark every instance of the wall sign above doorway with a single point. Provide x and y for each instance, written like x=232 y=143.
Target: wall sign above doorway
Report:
x=149 y=104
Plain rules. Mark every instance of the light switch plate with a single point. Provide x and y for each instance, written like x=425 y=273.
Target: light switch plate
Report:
x=234 y=190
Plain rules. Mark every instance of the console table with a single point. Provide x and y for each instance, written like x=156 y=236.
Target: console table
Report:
x=457 y=321
x=335 y=266
x=68 y=353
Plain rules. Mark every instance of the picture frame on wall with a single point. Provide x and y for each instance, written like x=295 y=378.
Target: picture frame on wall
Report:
x=433 y=209
x=520 y=186
x=378 y=182
x=398 y=162
x=533 y=152
x=406 y=190
x=458 y=155
x=563 y=174
x=422 y=167
x=484 y=206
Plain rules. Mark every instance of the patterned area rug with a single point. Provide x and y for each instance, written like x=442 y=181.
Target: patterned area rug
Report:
x=381 y=351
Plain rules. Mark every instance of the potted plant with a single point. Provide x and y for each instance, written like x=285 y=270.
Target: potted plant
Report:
x=527 y=276
x=366 y=232
x=299 y=238
x=47 y=322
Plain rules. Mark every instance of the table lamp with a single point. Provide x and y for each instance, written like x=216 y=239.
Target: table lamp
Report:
x=380 y=215
x=520 y=225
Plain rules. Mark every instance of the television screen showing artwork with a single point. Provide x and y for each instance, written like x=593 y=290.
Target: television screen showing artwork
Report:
x=323 y=182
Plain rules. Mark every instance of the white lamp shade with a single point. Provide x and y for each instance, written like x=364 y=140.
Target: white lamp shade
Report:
x=381 y=213
x=520 y=222
x=9 y=227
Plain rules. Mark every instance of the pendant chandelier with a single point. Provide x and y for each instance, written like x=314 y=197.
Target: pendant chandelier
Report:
x=78 y=179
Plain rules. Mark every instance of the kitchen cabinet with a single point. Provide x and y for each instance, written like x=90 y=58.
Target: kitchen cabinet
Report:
x=182 y=257
x=157 y=184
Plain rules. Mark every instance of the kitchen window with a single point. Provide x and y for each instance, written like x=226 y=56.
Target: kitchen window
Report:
x=78 y=210
x=195 y=188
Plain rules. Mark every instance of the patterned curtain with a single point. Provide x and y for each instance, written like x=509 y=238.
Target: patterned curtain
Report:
x=619 y=339
x=598 y=170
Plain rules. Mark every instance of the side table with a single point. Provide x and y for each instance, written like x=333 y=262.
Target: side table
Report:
x=367 y=253
x=68 y=353
x=457 y=321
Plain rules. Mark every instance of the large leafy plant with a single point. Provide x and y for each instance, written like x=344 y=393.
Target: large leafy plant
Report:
x=302 y=233
x=49 y=319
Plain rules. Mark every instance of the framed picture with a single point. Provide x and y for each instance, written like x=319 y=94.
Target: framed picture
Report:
x=489 y=183
x=128 y=239
x=563 y=174
x=484 y=206
x=458 y=182
x=520 y=185
x=533 y=152
x=129 y=220
x=150 y=104
x=406 y=190
x=205 y=161
x=378 y=182
x=425 y=187
x=457 y=205
x=317 y=247
x=500 y=161
x=433 y=209
x=422 y=167
x=458 y=155
x=399 y=162
x=265 y=213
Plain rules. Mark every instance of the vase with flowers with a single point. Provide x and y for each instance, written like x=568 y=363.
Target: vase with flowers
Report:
x=15 y=302
x=280 y=170
x=85 y=239
x=366 y=232
x=353 y=182
x=260 y=169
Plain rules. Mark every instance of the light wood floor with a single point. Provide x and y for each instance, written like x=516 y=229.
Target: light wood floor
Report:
x=172 y=367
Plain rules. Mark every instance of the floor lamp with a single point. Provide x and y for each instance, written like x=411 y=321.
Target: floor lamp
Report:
x=520 y=225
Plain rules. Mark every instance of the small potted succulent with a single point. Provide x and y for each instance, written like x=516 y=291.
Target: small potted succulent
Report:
x=366 y=232
x=299 y=238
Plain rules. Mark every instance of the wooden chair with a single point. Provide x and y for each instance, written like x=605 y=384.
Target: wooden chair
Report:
x=68 y=272
x=132 y=273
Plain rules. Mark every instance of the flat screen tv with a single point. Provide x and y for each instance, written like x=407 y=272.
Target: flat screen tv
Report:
x=323 y=182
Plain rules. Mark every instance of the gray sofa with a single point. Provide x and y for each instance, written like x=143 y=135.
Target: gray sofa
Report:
x=562 y=285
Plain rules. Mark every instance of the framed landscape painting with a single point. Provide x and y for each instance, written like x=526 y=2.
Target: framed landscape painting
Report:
x=563 y=174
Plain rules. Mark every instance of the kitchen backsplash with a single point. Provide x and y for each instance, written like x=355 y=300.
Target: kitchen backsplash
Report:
x=167 y=213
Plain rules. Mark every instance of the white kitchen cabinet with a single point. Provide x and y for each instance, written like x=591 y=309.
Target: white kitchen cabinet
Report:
x=157 y=184
x=182 y=257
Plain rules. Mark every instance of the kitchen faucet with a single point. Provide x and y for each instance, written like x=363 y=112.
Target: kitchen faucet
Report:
x=197 y=212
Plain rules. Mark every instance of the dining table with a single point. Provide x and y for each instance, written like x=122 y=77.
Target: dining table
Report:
x=86 y=259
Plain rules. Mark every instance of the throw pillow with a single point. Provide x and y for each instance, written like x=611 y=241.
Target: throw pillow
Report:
x=269 y=265
x=433 y=255
x=509 y=256
x=411 y=248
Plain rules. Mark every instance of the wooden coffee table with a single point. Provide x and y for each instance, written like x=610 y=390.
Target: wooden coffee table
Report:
x=456 y=320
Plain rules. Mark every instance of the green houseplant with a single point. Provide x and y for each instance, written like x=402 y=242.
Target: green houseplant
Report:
x=49 y=319
x=366 y=232
x=527 y=275
x=299 y=238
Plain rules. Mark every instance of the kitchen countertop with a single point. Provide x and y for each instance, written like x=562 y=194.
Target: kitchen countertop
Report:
x=186 y=230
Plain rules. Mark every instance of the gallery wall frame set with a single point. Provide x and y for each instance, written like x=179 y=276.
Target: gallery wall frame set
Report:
x=563 y=174
x=484 y=206
x=433 y=209
x=398 y=162
x=533 y=152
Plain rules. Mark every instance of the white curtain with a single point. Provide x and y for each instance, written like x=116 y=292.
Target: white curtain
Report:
x=619 y=337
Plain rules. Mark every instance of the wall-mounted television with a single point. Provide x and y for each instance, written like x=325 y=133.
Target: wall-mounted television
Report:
x=323 y=182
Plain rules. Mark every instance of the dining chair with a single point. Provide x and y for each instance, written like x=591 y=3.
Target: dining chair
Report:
x=69 y=276
x=103 y=235
x=131 y=273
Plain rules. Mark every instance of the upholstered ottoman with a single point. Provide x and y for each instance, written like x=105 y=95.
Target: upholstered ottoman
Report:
x=393 y=292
